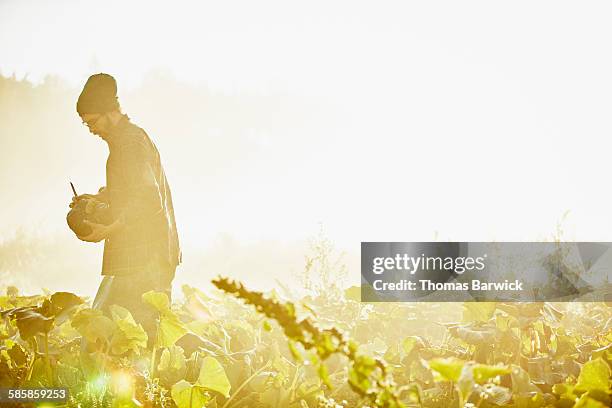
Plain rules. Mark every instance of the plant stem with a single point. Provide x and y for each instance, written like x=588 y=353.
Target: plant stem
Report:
x=47 y=360
x=153 y=358
x=191 y=397
x=244 y=383
x=105 y=360
x=31 y=367
x=154 y=354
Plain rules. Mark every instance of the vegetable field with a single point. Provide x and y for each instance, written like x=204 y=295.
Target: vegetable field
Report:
x=232 y=347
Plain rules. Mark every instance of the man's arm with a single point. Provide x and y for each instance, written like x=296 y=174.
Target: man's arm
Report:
x=101 y=231
x=142 y=190
x=143 y=196
x=102 y=194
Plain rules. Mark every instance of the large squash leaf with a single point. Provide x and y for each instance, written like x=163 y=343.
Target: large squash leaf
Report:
x=478 y=311
x=448 y=368
x=212 y=377
x=595 y=375
x=170 y=326
x=186 y=395
x=129 y=335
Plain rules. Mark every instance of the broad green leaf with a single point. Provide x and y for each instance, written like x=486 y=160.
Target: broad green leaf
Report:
x=525 y=393
x=586 y=401
x=30 y=323
x=505 y=322
x=495 y=394
x=376 y=346
x=5 y=302
x=604 y=352
x=186 y=395
x=353 y=293
x=89 y=364
x=309 y=385
x=121 y=313
x=58 y=302
x=158 y=300
x=466 y=382
x=17 y=354
x=212 y=377
x=129 y=335
x=260 y=382
x=280 y=364
x=474 y=334
x=170 y=330
x=172 y=359
x=530 y=310
x=40 y=374
x=61 y=301
x=448 y=368
x=521 y=383
x=564 y=390
x=420 y=372
x=483 y=372
x=170 y=326
x=99 y=327
x=408 y=344
x=65 y=331
x=414 y=394
x=93 y=325
x=83 y=317
x=200 y=328
x=274 y=397
x=478 y=311
x=172 y=365
x=595 y=375
x=369 y=293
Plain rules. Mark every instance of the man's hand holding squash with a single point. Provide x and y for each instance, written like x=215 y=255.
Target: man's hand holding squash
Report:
x=100 y=231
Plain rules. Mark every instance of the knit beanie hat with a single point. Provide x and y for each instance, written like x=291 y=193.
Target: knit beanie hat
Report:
x=99 y=95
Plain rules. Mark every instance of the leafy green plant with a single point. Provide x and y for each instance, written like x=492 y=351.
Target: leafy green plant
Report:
x=368 y=376
x=215 y=350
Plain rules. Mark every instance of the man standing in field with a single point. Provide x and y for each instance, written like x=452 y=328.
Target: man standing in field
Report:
x=141 y=246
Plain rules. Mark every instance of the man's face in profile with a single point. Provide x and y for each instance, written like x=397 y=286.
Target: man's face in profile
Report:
x=97 y=123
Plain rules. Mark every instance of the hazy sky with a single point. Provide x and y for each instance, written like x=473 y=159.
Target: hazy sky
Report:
x=469 y=120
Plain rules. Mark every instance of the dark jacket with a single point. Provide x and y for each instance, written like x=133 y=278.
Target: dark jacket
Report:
x=139 y=194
